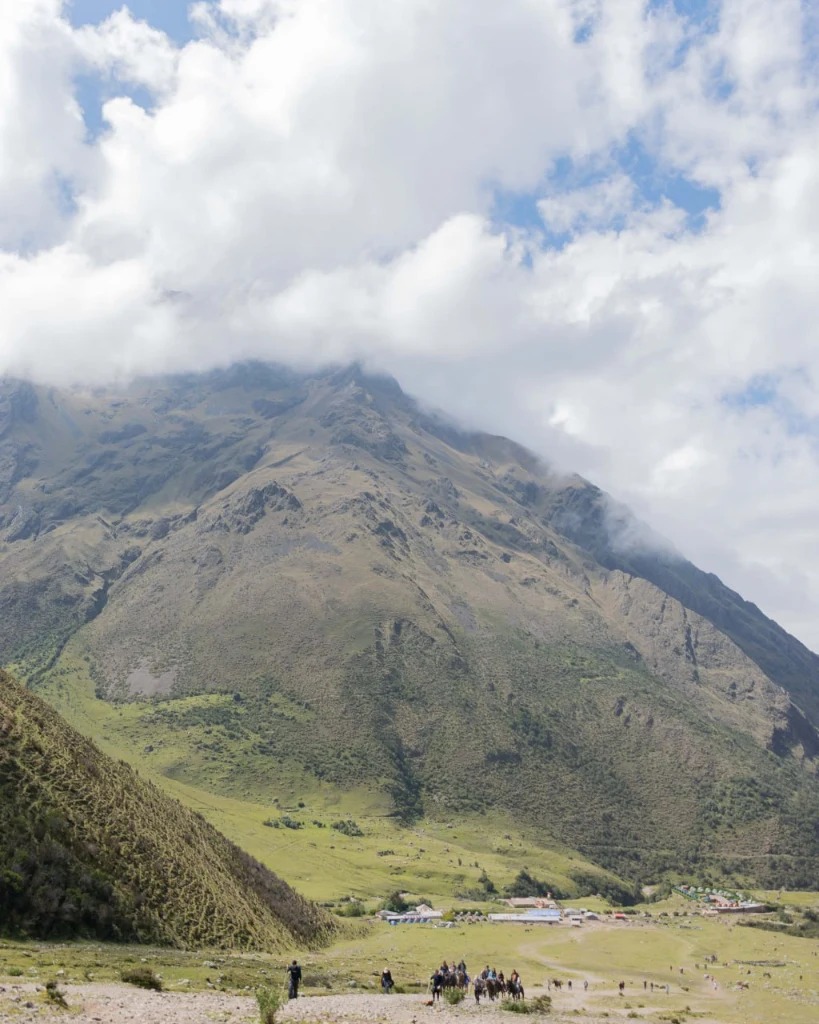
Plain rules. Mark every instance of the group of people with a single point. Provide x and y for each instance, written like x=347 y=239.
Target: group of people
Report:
x=487 y=982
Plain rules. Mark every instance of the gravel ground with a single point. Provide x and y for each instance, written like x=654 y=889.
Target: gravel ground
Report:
x=121 y=1004
x=394 y=1009
x=125 y=1004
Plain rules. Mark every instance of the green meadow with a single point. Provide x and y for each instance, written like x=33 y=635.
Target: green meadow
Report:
x=781 y=971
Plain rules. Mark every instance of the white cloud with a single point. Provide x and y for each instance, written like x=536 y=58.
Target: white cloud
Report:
x=595 y=206
x=130 y=50
x=41 y=128
x=319 y=180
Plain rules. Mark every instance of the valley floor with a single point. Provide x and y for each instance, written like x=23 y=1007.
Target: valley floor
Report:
x=758 y=977
x=115 y=1004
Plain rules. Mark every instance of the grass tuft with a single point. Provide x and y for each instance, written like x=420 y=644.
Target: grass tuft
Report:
x=513 y=1007
x=269 y=1000
x=55 y=995
x=142 y=977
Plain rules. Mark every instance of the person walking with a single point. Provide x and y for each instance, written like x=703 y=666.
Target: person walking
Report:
x=386 y=981
x=294 y=972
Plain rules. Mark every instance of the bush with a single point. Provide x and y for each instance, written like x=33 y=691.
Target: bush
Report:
x=454 y=996
x=317 y=979
x=487 y=884
x=352 y=909
x=540 y=1004
x=526 y=884
x=142 y=977
x=396 y=903
x=269 y=1002
x=348 y=827
x=590 y=884
x=55 y=995
x=513 y=1007
x=285 y=821
x=15 y=972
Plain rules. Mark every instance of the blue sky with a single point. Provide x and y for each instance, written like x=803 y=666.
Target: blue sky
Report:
x=169 y=15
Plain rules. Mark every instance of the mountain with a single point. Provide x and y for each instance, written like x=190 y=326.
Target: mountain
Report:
x=88 y=848
x=281 y=575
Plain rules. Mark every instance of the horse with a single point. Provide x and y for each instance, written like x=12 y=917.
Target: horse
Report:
x=557 y=983
x=515 y=990
x=494 y=988
x=479 y=988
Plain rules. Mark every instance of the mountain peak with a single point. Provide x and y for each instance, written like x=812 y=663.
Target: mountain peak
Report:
x=399 y=606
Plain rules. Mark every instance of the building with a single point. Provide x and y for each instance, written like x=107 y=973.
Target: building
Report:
x=538 y=915
x=422 y=914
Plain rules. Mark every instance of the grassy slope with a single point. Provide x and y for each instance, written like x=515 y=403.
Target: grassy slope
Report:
x=398 y=619
x=322 y=863
x=88 y=847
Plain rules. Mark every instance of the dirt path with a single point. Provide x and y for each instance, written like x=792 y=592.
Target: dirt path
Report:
x=124 y=1004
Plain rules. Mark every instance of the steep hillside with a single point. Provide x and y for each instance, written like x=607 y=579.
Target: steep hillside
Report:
x=307 y=575
x=87 y=848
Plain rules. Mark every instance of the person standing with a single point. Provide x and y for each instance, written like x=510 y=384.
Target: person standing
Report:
x=386 y=981
x=295 y=980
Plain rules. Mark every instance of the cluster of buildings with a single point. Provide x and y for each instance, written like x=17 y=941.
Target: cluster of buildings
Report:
x=536 y=910
x=422 y=914
x=522 y=911
x=721 y=901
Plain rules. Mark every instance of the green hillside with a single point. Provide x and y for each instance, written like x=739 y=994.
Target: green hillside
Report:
x=88 y=848
x=261 y=581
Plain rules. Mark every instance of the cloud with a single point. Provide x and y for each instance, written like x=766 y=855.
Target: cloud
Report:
x=321 y=180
